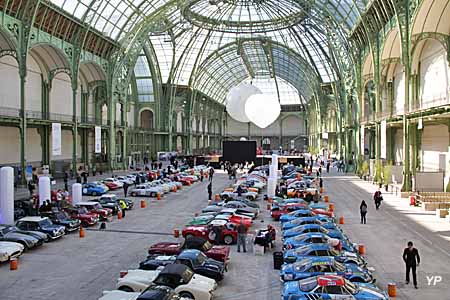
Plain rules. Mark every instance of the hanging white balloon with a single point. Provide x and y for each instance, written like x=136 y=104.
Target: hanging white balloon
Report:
x=262 y=109
x=236 y=99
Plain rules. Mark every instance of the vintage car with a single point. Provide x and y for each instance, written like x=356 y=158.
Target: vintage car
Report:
x=63 y=219
x=161 y=189
x=194 y=259
x=333 y=233
x=166 y=188
x=125 y=179
x=301 y=213
x=316 y=220
x=186 y=283
x=106 y=203
x=306 y=220
x=228 y=232
x=241 y=207
x=144 y=190
x=235 y=219
x=293 y=255
x=86 y=217
x=331 y=287
x=185 y=180
x=10 y=250
x=314 y=266
x=112 y=183
x=201 y=220
x=105 y=214
x=176 y=276
x=153 y=292
x=42 y=224
x=278 y=210
x=177 y=184
x=125 y=204
x=191 y=178
x=245 y=193
x=8 y=234
x=220 y=253
x=317 y=238
x=93 y=189
x=242 y=200
x=36 y=234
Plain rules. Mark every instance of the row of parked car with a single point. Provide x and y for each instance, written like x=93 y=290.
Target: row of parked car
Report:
x=320 y=261
x=194 y=268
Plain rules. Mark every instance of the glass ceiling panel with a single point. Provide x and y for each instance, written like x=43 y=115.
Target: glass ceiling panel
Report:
x=288 y=93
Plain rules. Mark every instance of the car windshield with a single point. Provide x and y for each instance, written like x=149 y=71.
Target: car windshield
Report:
x=7 y=229
x=187 y=275
x=307 y=285
x=351 y=287
x=201 y=259
x=45 y=222
x=302 y=250
x=339 y=266
x=302 y=264
x=61 y=215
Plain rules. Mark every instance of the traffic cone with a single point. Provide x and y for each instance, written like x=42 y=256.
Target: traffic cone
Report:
x=143 y=203
x=13 y=264
x=158 y=196
x=119 y=215
x=341 y=220
x=176 y=233
x=82 y=233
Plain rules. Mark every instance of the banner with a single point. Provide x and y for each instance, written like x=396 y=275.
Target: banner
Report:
x=383 y=139
x=98 y=139
x=56 y=139
x=362 y=140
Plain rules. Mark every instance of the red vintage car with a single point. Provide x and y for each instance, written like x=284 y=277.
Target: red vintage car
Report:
x=323 y=212
x=111 y=185
x=185 y=180
x=235 y=219
x=105 y=214
x=220 y=253
x=277 y=211
x=80 y=213
x=228 y=231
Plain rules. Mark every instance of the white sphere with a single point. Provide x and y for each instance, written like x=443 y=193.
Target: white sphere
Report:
x=236 y=99
x=262 y=109
x=243 y=139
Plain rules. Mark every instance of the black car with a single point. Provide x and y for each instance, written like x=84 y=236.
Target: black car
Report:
x=36 y=234
x=194 y=259
x=63 y=219
x=158 y=292
x=43 y=225
x=111 y=204
x=8 y=234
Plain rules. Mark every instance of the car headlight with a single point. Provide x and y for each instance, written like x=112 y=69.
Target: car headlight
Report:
x=54 y=231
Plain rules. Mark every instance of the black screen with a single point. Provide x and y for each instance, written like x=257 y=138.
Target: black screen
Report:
x=239 y=151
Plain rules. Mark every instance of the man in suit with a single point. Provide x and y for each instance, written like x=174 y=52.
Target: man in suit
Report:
x=412 y=260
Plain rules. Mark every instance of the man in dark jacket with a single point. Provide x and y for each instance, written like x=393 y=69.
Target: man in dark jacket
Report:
x=242 y=234
x=125 y=188
x=209 y=191
x=412 y=260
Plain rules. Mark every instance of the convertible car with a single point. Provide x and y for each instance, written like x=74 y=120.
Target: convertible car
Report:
x=220 y=253
x=227 y=231
x=194 y=259
x=7 y=234
x=153 y=292
x=315 y=266
x=331 y=287
x=10 y=250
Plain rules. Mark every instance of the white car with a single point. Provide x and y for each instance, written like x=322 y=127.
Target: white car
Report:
x=136 y=280
x=166 y=187
x=154 y=185
x=144 y=190
x=152 y=293
x=114 y=180
x=10 y=250
x=178 y=184
x=124 y=179
x=176 y=276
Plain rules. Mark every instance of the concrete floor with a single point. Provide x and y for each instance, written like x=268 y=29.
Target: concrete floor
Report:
x=387 y=232
x=80 y=269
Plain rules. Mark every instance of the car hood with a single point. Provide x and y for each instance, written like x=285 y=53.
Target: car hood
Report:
x=139 y=276
x=53 y=227
x=10 y=247
x=18 y=235
x=33 y=233
x=370 y=292
x=213 y=265
x=219 y=250
x=165 y=247
x=202 y=283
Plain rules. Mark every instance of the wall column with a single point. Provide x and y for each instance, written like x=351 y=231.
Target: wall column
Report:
x=74 y=128
x=23 y=123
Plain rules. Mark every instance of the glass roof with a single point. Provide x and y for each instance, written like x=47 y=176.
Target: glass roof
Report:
x=309 y=35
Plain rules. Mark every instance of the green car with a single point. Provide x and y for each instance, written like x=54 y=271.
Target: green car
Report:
x=200 y=220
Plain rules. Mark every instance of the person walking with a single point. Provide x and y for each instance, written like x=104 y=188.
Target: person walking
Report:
x=412 y=260
x=363 y=211
x=377 y=198
x=242 y=235
x=31 y=187
x=209 y=189
x=211 y=174
x=201 y=175
x=66 y=181
x=125 y=188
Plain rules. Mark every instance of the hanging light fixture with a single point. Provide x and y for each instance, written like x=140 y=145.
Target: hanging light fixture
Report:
x=262 y=109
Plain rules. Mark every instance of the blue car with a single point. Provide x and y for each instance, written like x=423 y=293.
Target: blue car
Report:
x=309 y=221
x=305 y=220
x=315 y=238
x=329 y=287
x=92 y=189
x=314 y=250
x=325 y=265
x=333 y=233
x=323 y=206
x=300 y=213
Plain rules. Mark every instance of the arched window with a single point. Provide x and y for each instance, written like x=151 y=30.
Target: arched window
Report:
x=146 y=119
x=144 y=81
